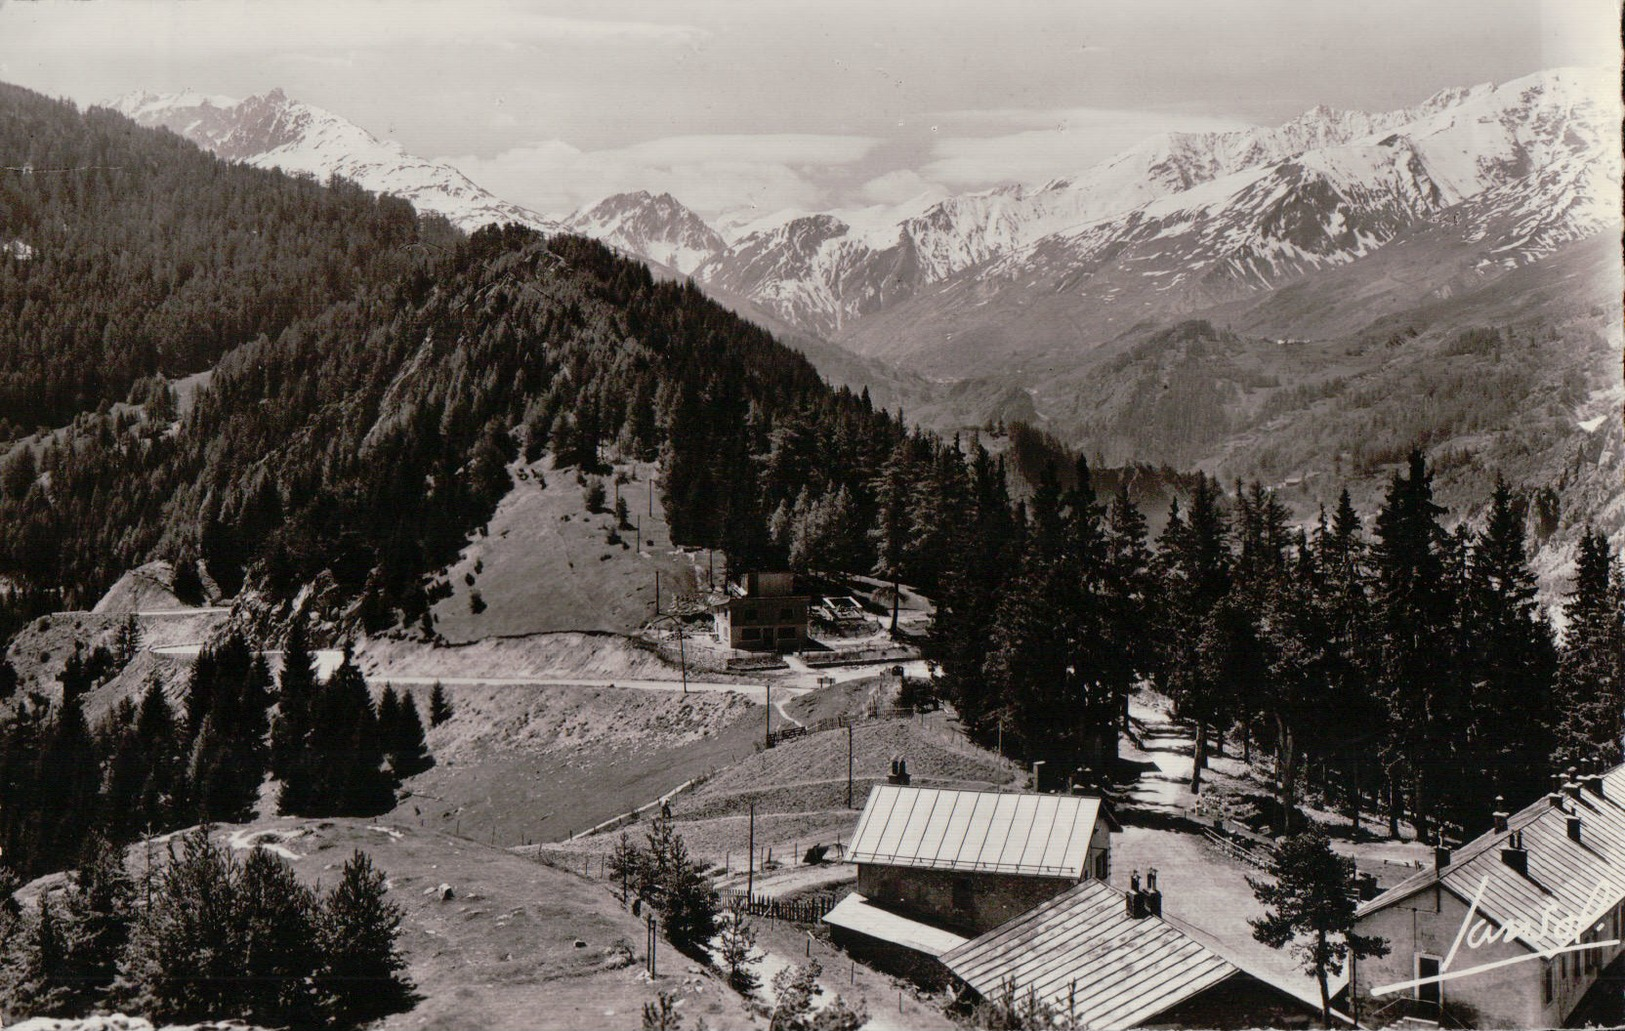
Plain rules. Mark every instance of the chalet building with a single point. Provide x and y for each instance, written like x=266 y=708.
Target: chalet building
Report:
x=763 y=612
x=1547 y=878
x=1110 y=959
x=938 y=867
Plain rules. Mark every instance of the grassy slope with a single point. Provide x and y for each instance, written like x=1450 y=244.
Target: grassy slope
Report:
x=501 y=953
x=517 y=765
x=543 y=563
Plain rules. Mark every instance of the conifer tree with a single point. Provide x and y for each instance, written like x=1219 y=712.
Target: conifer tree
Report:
x=1131 y=590
x=389 y=716
x=1590 y=682
x=1309 y=905
x=276 y=927
x=341 y=770
x=98 y=910
x=439 y=705
x=75 y=677
x=408 y=752
x=1342 y=596
x=737 y=947
x=296 y=688
x=183 y=961
x=1417 y=631
x=67 y=781
x=971 y=587
x=893 y=522
x=41 y=987
x=1195 y=562
x=163 y=792
x=1513 y=659
x=361 y=968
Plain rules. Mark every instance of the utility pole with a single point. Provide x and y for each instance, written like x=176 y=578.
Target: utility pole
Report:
x=657 y=593
x=654 y=944
x=767 y=715
x=682 y=657
x=750 y=858
x=849 y=764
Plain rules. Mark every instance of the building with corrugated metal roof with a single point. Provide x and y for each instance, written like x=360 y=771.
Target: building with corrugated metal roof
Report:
x=1517 y=928
x=937 y=867
x=1110 y=959
x=970 y=860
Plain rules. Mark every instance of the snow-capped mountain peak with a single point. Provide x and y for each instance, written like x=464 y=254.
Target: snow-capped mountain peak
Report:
x=271 y=130
x=654 y=226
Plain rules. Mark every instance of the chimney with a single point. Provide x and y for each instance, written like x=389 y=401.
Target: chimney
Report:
x=1515 y=855
x=1574 y=829
x=1571 y=787
x=1592 y=782
x=1153 y=895
x=1038 y=775
x=1555 y=799
x=1441 y=858
x=1500 y=815
x=899 y=772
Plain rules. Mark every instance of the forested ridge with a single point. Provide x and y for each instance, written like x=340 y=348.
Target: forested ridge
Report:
x=141 y=254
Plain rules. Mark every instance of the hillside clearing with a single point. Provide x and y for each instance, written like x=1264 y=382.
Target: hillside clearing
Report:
x=544 y=563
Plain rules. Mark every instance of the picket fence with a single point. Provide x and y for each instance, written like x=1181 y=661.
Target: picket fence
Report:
x=805 y=909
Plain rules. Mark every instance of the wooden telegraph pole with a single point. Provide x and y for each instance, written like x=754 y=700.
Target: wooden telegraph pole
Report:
x=750 y=858
x=767 y=715
x=682 y=657
x=849 y=764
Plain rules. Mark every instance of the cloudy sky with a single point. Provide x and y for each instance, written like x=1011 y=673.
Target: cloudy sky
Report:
x=740 y=104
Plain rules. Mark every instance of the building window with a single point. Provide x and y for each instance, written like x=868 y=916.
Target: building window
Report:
x=787 y=632
x=750 y=633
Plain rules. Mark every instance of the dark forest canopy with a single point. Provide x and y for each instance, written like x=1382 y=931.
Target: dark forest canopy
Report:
x=126 y=252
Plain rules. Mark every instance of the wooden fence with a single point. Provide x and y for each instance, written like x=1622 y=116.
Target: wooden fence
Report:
x=855 y=656
x=837 y=722
x=806 y=909
x=1235 y=850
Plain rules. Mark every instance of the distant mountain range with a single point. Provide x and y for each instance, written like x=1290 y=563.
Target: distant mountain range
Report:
x=1178 y=223
x=1262 y=302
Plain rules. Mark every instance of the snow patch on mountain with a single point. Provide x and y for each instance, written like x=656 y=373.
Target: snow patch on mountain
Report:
x=273 y=131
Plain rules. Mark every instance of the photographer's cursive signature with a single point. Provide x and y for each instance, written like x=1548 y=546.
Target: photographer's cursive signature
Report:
x=1565 y=929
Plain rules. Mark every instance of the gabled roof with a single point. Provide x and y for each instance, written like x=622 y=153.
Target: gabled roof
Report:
x=1562 y=873
x=1081 y=952
x=856 y=913
x=980 y=831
